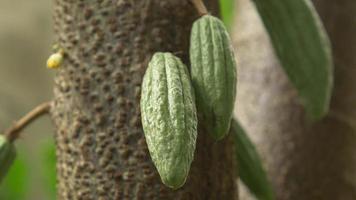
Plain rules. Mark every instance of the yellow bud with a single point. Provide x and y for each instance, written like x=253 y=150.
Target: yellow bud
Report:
x=55 y=60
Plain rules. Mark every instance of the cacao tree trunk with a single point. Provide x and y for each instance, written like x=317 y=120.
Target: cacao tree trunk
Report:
x=305 y=161
x=101 y=149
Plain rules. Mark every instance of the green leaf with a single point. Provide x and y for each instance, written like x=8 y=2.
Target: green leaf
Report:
x=7 y=156
x=251 y=170
x=227 y=11
x=303 y=49
x=14 y=184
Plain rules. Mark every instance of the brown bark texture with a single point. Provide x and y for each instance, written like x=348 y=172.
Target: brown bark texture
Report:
x=305 y=161
x=101 y=149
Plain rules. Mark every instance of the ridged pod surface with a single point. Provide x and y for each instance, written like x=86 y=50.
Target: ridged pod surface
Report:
x=169 y=118
x=7 y=156
x=213 y=74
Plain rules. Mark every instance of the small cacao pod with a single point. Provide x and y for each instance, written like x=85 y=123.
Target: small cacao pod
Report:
x=7 y=156
x=169 y=117
x=213 y=71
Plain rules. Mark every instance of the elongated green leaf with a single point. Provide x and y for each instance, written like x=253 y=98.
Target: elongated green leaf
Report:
x=303 y=49
x=251 y=171
x=7 y=156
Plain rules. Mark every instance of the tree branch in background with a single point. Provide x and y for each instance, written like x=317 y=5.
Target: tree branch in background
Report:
x=199 y=5
x=13 y=132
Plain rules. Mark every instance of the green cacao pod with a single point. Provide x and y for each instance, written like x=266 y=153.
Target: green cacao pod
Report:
x=169 y=117
x=7 y=156
x=213 y=71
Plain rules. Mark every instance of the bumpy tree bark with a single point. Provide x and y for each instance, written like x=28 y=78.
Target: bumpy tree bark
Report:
x=305 y=161
x=101 y=150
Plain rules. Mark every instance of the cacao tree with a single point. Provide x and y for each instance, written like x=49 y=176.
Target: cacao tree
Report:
x=101 y=150
x=102 y=50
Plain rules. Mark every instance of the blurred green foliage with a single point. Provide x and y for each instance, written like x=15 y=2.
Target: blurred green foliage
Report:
x=49 y=162
x=227 y=11
x=15 y=184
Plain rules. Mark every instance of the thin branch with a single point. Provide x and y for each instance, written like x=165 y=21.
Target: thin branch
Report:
x=13 y=132
x=199 y=5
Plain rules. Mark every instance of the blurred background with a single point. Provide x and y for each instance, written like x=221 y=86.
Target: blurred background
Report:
x=25 y=43
x=26 y=39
